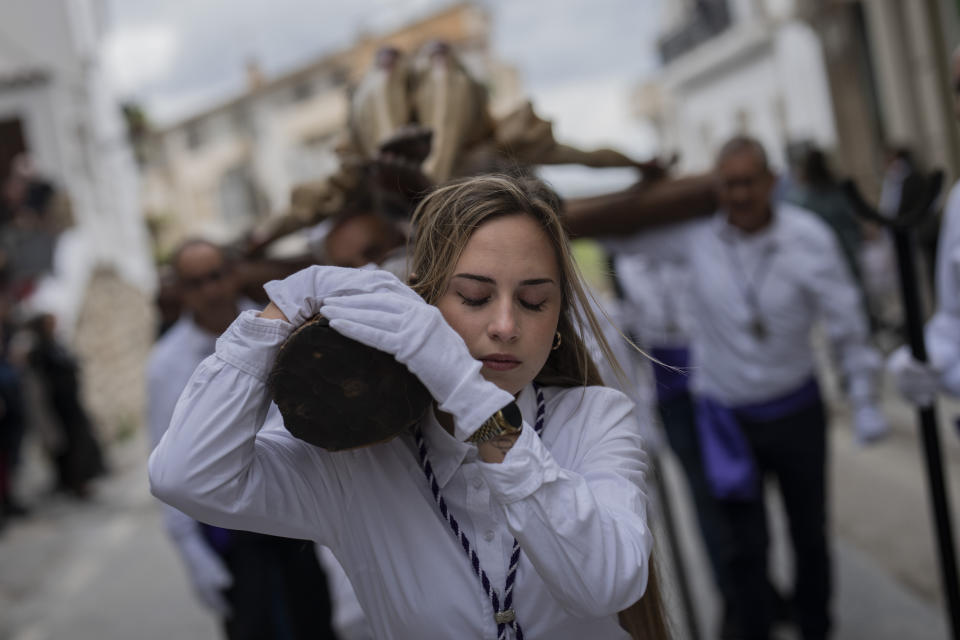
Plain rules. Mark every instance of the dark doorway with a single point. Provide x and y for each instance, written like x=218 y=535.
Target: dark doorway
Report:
x=11 y=144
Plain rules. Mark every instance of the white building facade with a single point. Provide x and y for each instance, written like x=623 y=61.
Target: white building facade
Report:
x=855 y=77
x=738 y=67
x=56 y=105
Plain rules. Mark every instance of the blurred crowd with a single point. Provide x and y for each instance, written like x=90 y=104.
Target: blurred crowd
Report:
x=40 y=377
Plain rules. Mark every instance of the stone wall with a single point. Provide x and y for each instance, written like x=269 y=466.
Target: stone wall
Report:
x=113 y=337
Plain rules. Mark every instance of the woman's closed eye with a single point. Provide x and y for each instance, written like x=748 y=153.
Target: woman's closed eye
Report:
x=473 y=302
x=533 y=306
x=480 y=301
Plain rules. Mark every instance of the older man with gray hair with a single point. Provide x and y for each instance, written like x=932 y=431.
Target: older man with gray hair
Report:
x=762 y=273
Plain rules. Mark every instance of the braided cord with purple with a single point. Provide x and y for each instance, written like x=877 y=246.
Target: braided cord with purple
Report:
x=505 y=616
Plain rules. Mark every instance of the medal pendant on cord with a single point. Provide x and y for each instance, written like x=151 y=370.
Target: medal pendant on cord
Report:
x=672 y=328
x=505 y=617
x=750 y=289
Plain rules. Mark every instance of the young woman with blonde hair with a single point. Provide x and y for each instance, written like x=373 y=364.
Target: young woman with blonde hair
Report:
x=515 y=508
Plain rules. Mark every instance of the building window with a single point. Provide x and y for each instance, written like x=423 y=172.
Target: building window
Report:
x=238 y=198
x=780 y=117
x=240 y=119
x=314 y=157
x=706 y=136
x=194 y=136
x=743 y=121
x=339 y=76
x=706 y=19
x=302 y=91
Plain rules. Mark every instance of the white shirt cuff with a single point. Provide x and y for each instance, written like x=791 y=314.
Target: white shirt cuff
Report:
x=251 y=343
x=525 y=468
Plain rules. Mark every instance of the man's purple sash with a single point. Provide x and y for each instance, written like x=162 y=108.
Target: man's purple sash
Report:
x=670 y=382
x=727 y=458
x=217 y=537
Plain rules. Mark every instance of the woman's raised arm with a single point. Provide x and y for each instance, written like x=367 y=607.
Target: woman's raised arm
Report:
x=214 y=462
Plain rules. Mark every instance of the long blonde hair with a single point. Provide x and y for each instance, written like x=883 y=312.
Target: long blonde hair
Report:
x=443 y=225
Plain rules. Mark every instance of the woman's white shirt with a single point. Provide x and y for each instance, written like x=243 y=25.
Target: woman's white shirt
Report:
x=574 y=499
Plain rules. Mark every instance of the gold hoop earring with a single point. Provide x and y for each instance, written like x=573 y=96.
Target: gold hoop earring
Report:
x=557 y=339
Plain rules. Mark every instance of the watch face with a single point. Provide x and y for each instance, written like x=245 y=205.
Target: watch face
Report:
x=511 y=414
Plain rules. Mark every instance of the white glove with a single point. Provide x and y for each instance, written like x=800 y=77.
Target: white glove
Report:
x=300 y=295
x=416 y=334
x=869 y=424
x=917 y=381
x=208 y=575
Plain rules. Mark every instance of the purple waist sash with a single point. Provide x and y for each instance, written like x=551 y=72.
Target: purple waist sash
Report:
x=671 y=383
x=727 y=458
x=217 y=537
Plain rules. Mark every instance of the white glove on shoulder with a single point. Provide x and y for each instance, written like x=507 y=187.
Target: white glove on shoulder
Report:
x=416 y=334
x=208 y=574
x=917 y=381
x=300 y=295
x=869 y=424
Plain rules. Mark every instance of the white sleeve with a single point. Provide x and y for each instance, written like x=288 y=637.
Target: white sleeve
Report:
x=844 y=318
x=584 y=529
x=162 y=394
x=214 y=465
x=943 y=329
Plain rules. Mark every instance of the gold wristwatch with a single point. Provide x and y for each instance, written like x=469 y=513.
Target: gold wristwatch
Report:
x=506 y=421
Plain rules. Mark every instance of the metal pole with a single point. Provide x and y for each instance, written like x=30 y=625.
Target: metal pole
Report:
x=906 y=260
x=910 y=214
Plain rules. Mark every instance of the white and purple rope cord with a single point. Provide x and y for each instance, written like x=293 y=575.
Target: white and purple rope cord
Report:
x=505 y=616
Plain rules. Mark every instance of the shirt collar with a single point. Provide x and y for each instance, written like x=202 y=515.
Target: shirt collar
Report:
x=766 y=237
x=447 y=453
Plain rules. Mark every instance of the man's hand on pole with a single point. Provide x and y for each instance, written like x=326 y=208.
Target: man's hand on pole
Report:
x=916 y=381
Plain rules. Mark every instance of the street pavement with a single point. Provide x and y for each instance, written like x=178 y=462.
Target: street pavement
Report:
x=873 y=598
x=104 y=570
x=101 y=569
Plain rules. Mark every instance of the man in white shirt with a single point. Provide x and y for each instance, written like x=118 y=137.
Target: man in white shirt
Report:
x=260 y=586
x=762 y=274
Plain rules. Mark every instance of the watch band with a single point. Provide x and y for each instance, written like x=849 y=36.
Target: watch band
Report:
x=507 y=420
